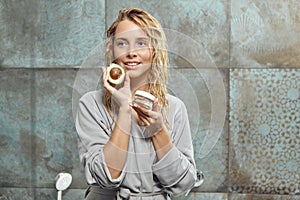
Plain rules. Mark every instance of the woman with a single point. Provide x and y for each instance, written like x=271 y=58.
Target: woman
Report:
x=129 y=152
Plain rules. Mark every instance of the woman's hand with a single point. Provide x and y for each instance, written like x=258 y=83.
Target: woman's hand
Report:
x=151 y=119
x=122 y=95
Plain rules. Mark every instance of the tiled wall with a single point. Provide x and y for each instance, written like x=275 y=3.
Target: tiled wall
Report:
x=236 y=65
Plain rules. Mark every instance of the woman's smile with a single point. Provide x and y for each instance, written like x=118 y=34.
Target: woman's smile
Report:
x=131 y=65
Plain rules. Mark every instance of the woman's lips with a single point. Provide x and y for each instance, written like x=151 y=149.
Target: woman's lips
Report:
x=131 y=65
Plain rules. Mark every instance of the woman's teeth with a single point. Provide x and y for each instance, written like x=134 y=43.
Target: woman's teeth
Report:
x=131 y=64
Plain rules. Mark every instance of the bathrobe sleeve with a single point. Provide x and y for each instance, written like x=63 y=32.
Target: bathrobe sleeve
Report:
x=176 y=171
x=93 y=125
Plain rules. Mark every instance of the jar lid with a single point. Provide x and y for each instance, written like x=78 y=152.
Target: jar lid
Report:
x=145 y=94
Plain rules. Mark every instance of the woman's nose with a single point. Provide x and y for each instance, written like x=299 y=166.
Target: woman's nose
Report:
x=132 y=51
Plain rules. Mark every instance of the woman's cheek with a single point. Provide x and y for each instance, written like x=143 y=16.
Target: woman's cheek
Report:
x=118 y=53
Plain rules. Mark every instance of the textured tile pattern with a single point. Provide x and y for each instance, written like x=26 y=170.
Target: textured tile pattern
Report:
x=190 y=85
x=53 y=33
x=38 y=138
x=259 y=156
x=265 y=33
x=210 y=196
x=206 y=22
x=262 y=197
x=39 y=193
x=56 y=146
x=202 y=196
x=264 y=131
x=15 y=128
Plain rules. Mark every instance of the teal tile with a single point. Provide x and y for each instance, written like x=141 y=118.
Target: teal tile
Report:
x=86 y=80
x=16 y=193
x=54 y=33
x=211 y=196
x=74 y=194
x=264 y=131
x=39 y=193
x=215 y=165
x=16 y=136
x=190 y=196
x=202 y=196
x=264 y=35
x=57 y=149
x=205 y=23
x=69 y=194
x=195 y=88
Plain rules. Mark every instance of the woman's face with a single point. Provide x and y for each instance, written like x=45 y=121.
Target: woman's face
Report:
x=131 y=49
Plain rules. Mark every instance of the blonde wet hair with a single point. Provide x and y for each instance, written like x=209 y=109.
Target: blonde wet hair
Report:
x=158 y=73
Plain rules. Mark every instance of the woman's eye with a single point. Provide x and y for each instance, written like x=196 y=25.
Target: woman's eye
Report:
x=142 y=43
x=120 y=44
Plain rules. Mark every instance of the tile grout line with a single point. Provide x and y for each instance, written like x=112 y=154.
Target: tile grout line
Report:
x=228 y=98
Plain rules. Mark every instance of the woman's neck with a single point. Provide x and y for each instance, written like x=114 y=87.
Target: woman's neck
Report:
x=139 y=86
x=139 y=83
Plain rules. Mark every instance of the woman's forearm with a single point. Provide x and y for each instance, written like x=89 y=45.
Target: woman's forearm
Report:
x=162 y=143
x=115 y=151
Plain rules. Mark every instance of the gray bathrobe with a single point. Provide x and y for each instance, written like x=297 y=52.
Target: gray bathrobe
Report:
x=143 y=176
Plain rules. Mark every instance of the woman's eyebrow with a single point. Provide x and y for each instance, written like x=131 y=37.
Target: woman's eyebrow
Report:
x=119 y=38
x=142 y=38
x=138 y=38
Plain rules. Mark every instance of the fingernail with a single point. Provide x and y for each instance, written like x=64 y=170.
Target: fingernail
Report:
x=135 y=105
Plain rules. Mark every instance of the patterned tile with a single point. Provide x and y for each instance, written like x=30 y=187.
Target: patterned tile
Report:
x=262 y=197
x=202 y=22
x=54 y=33
x=265 y=33
x=264 y=131
x=38 y=139
x=15 y=128
x=193 y=86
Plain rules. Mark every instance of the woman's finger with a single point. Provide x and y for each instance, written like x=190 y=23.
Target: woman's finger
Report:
x=155 y=106
x=142 y=111
x=106 y=84
x=143 y=121
x=127 y=80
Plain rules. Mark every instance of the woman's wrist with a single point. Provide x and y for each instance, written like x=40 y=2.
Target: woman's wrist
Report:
x=124 y=119
x=125 y=109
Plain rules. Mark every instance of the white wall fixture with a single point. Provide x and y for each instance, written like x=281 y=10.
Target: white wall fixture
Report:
x=62 y=182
